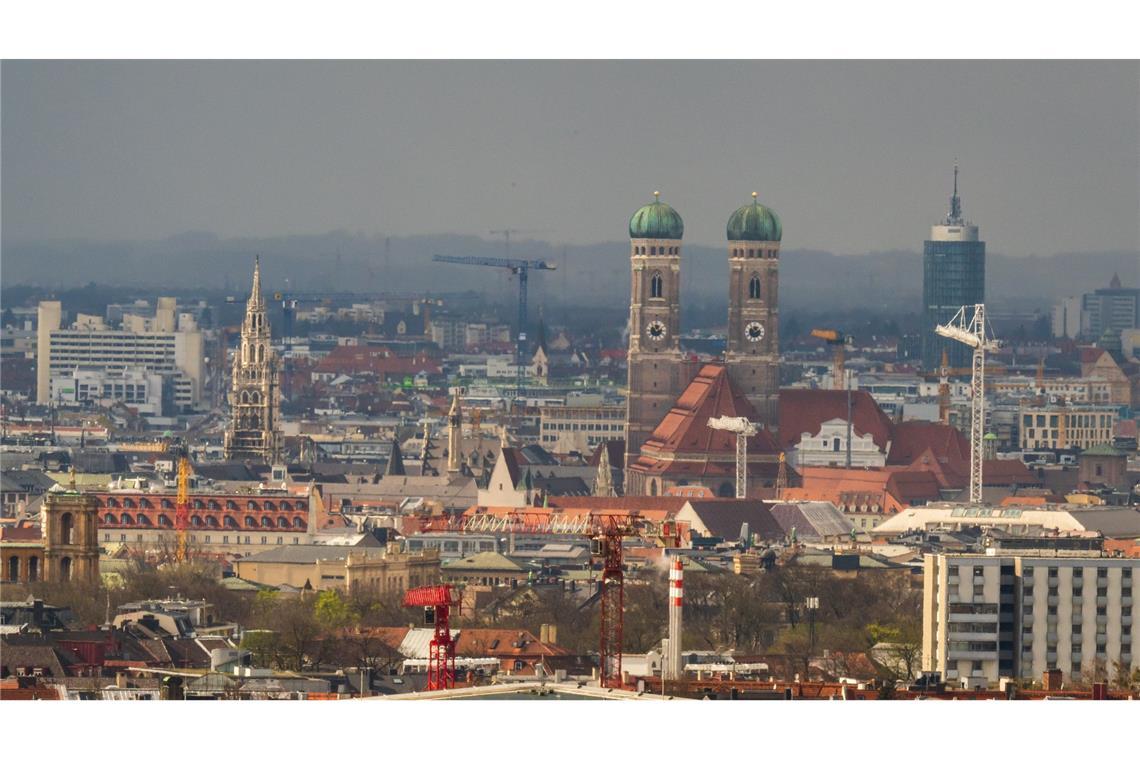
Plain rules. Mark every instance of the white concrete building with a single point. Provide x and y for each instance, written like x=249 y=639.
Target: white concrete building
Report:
x=1012 y=616
x=154 y=346
x=563 y=429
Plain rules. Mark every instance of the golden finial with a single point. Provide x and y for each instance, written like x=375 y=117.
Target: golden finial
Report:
x=656 y=196
x=754 y=195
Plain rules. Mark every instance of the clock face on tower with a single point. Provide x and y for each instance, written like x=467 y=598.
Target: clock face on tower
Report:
x=656 y=330
x=754 y=331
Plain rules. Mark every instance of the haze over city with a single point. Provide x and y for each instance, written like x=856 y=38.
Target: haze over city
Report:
x=856 y=155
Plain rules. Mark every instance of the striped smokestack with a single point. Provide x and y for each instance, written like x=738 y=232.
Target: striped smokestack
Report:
x=673 y=669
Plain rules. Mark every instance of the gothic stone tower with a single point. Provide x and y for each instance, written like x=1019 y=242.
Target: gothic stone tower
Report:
x=70 y=535
x=657 y=372
x=752 y=354
x=255 y=396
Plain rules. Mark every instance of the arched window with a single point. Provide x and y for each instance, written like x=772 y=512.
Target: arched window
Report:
x=230 y=522
x=13 y=569
x=65 y=568
x=112 y=502
x=145 y=503
x=835 y=444
x=199 y=504
x=282 y=522
x=129 y=503
x=166 y=504
x=144 y=520
x=110 y=519
x=196 y=521
x=267 y=521
x=298 y=522
x=656 y=286
x=253 y=504
x=231 y=504
x=754 y=287
x=250 y=522
x=211 y=521
x=33 y=569
x=726 y=490
x=214 y=505
x=164 y=521
x=653 y=488
x=260 y=353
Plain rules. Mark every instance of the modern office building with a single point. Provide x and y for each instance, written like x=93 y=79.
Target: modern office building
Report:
x=160 y=347
x=1018 y=616
x=953 y=276
x=1112 y=309
x=1064 y=426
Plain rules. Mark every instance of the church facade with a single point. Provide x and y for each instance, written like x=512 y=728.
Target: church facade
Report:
x=660 y=372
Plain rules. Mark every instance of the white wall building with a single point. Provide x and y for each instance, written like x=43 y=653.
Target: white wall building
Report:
x=828 y=448
x=999 y=616
x=147 y=345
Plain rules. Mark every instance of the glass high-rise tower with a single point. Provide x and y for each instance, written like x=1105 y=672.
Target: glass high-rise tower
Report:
x=953 y=276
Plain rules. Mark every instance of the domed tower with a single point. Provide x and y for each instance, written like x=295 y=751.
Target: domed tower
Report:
x=655 y=364
x=752 y=353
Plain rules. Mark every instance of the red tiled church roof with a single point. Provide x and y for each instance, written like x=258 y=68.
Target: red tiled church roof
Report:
x=685 y=428
x=804 y=410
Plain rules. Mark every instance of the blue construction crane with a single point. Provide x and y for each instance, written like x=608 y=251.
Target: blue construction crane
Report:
x=520 y=267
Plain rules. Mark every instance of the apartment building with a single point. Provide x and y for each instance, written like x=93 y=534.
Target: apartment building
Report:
x=1063 y=426
x=1018 y=616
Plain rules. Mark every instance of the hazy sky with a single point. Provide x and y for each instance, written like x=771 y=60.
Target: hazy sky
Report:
x=854 y=156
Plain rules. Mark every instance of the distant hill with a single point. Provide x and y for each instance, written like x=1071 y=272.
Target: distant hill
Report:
x=588 y=275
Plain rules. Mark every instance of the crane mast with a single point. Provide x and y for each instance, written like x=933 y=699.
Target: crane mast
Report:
x=521 y=268
x=182 y=505
x=606 y=532
x=968 y=327
x=744 y=429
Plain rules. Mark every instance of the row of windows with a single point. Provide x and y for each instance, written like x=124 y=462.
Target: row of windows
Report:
x=207 y=539
x=198 y=522
x=145 y=503
x=654 y=250
x=754 y=253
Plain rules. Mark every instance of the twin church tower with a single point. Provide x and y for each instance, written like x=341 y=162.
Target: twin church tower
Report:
x=659 y=371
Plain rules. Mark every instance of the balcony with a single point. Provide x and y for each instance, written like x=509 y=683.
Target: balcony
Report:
x=1078 y=638
x=1126 y=621
x=1101 y=640
x=965 y=654
x=1053 y=582
x=1102 y=582
x=1051 y=600
x=1027 y=621
x=1051 y=638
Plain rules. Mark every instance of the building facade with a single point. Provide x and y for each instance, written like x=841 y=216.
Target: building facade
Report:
x=752 y=353
x=954 y=275
x=1112 y=309
x=255 y=394
x=563 y=429
x=1018 y=616
x=70 y=537
x=104 y=360
x=657 y=369
x=1065 y=426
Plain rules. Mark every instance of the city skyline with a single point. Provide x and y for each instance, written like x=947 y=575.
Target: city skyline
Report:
x=856 y=156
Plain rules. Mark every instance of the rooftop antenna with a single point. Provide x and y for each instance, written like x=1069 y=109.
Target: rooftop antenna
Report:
x=955 y=201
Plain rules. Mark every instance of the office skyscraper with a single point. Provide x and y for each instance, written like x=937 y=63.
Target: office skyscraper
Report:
x=953 y=276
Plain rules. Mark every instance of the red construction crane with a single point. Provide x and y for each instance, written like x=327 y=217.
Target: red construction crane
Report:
x=441 y=652
x=606 y=531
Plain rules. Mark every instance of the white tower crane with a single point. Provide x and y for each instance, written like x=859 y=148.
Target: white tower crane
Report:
x=744 y=429
x=969 y=327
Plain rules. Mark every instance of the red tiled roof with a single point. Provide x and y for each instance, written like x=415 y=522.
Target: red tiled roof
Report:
x=914 y=439
x=351 y=360
x=804 y=410
x=685 y=428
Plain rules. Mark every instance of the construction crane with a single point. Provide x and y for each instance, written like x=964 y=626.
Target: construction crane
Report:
x=945 y=372
x=520 y=267
x=181 y=452
x=839 y=342
x=606 y=531
x=441 y=650
x=968 y=326
x=744 y=429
